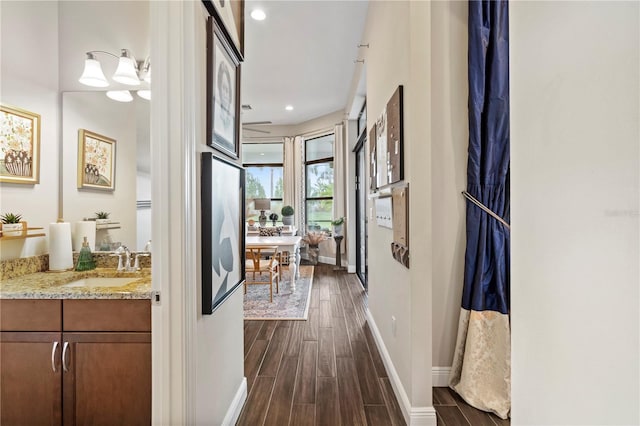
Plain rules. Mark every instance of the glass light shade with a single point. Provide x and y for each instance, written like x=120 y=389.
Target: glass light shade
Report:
x=126 y=72
x=92 y=74
x=144 y=94
x=120 y=95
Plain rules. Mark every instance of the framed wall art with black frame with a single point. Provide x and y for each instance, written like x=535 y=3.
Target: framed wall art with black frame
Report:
x=223 y=91
x=222 y=191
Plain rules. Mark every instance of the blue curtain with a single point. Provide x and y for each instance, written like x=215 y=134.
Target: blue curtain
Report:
x=481 y=367
x=486 y=278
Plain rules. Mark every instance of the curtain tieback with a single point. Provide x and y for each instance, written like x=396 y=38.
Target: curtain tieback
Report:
x=486 y=209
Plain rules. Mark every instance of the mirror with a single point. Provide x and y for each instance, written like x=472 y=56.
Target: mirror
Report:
x=129 y=203
x=107 y=27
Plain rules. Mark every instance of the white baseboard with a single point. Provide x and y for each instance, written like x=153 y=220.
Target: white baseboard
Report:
x=351 y=269
x=414 y=416
x=233 y=413
x=440 y=376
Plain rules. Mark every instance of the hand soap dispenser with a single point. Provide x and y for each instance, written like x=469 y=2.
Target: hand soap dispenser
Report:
x=85 y=259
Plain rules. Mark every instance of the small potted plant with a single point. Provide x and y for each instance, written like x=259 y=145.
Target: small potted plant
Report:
x=287 y=215
x=273 y=217
x=11 y=224
x=337 y=226
x=102 y=218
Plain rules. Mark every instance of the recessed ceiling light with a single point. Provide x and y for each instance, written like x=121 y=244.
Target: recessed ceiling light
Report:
x=258 y=14
x=289 y=107
x=262 y=153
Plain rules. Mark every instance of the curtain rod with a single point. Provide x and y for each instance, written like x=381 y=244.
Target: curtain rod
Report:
x=486 y=209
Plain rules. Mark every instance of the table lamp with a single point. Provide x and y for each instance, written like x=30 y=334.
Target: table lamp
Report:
x=262 y=204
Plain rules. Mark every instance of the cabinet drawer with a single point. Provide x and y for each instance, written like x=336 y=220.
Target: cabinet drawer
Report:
x=30 y=315
x=107 y=315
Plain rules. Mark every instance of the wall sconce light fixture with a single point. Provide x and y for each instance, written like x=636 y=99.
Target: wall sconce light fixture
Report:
x=129 y=72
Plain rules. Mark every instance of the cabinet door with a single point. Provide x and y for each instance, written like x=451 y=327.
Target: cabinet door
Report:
x=108 y=381
x=30 y=389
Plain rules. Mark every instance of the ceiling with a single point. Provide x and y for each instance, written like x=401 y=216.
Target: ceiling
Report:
x=302 y=55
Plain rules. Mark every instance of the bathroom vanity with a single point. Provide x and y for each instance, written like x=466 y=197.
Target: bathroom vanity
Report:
x=76 y=350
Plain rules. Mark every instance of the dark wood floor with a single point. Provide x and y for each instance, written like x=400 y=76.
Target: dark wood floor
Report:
x=327 y=370
x=453 y=411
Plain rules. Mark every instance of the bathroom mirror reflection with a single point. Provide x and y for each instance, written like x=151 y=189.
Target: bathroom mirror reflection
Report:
x=106 y=27
x=129 y=203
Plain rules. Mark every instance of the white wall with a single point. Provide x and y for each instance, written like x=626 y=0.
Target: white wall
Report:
x=575 y=103
x=219 y=337
x=398 y=33
x=117 y=120
x=29 y=80
x=450 y=139
x=143 y=214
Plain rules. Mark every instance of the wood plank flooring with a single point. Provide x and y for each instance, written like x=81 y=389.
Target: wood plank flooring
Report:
x=327 y=370
x=453 y=411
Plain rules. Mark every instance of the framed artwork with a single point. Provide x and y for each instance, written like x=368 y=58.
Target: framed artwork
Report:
x=96 y=161
x=230 y=14
x=222 y=191
x=389 y=142
x=19 y=146
x=223 y=92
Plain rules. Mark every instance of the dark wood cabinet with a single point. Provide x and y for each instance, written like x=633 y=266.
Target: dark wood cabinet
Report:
x=108 y=381
x=83 y=374
x=30 y=379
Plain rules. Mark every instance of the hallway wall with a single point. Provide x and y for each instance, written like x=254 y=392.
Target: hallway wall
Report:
x=399 y=55
x=575 y=185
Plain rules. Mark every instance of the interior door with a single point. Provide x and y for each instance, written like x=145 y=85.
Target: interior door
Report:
x=361 y=210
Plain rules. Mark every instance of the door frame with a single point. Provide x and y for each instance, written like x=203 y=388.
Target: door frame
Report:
x=360 y=179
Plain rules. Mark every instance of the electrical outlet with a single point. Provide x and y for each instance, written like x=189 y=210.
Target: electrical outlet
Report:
x=393 y=325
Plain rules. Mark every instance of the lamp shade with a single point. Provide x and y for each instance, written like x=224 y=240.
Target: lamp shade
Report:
x=262 y=203
x=120 y=95
x=126 y=72
x=92 y=74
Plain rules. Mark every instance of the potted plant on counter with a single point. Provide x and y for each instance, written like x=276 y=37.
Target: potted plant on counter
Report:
x=287 y=215
x=12 y=224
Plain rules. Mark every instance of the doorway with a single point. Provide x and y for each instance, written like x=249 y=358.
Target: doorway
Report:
x=361 y=210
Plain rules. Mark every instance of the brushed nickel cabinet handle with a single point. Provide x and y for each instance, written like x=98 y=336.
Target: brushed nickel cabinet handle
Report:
x=53 y=356
x=64 y=356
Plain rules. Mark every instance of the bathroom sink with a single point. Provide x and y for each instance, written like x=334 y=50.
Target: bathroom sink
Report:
x=100 y=282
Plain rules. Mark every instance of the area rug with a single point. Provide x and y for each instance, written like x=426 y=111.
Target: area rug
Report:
x=286 y=305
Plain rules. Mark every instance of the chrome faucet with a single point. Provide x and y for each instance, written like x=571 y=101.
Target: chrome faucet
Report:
x=126 y=265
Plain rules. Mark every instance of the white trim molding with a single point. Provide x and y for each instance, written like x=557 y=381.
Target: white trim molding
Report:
x=233 y=414
x=440 y=376
x=414 y=416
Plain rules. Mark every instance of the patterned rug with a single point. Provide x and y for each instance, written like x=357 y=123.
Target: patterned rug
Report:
x=287 y=305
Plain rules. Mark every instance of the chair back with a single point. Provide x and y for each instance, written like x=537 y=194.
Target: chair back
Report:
x=254 y=255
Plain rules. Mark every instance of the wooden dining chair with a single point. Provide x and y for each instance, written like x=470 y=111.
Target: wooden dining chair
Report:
x=256 y=264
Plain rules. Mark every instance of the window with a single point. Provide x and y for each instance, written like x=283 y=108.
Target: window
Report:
x=319 y=182
x=264 y=176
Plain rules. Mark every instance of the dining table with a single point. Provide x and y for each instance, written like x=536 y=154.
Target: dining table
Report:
x=290 y=244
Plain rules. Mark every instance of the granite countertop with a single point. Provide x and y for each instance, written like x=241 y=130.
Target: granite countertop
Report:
x=50 y=285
